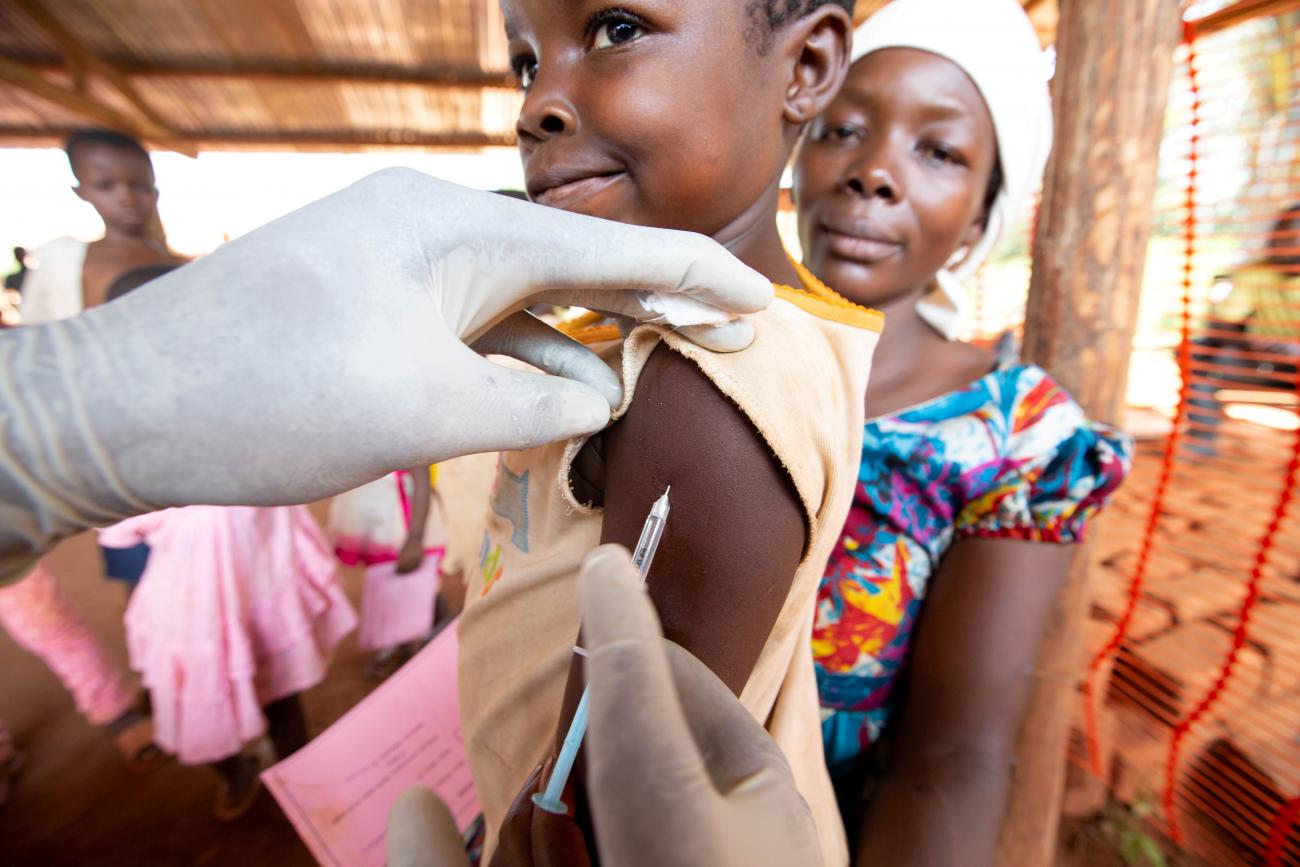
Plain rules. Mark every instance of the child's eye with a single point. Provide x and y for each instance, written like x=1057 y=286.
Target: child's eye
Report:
x=615 y=33
x=525 y=69
x=612 y=27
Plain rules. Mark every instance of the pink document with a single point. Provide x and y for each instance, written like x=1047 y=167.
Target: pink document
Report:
x=338 y=789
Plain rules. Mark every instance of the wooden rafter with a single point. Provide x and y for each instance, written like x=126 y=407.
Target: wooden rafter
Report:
x=1241 y=12
x=298 y=139
x=81 y=61
x=435 y=78
x=26 y=79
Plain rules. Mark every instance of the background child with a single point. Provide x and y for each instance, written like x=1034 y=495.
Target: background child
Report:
x=974 y=476
x=114 y=175
x=682 y=116
x=238 y=611
x=394 y=527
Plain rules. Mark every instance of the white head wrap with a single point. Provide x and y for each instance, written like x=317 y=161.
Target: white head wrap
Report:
x=996 y=46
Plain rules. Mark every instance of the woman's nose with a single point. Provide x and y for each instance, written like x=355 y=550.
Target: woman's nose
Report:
x=872 y=176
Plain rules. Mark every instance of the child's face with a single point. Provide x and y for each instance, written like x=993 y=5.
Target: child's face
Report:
x=892 y=178
x=118 y=183
x=652 y=112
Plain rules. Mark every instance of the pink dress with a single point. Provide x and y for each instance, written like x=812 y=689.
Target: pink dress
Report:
x=237 y=607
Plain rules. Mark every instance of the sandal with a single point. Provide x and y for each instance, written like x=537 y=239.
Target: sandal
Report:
x=229 y=805
x=8 y=771
x=133 y=734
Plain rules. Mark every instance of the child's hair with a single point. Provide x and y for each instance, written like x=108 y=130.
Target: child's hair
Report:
x=137 y=277
x=98 y=136
x=777 y=13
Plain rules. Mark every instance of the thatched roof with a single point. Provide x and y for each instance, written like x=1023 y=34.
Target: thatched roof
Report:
x=336 y=74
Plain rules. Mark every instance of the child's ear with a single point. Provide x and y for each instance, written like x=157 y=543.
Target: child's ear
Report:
x=818 y=45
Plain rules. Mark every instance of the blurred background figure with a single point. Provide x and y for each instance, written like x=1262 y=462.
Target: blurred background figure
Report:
x=11 y=295
x=394 y=527
x=115 y=176
x=1252 y=329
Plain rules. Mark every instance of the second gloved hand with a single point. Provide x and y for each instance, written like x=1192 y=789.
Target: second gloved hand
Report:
x=679 y=773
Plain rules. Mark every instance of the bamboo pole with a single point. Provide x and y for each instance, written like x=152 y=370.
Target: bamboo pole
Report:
x=1113 y=69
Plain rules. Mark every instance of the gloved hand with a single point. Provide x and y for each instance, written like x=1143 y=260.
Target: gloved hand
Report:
x=679 y=772
x=328 y=348
x=422 y=832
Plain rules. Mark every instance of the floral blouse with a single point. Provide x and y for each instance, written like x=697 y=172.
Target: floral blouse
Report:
x=1009 y=456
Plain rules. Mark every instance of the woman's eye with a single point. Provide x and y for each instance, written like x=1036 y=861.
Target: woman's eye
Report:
x=616 y=32
x=842 y=132
x=940 y=153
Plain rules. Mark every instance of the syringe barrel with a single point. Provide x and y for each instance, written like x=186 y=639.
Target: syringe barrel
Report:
x=646 y=546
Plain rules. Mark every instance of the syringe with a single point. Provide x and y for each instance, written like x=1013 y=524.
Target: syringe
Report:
x=642 y=557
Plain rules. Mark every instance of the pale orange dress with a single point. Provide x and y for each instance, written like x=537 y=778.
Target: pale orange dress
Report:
x=802 y=384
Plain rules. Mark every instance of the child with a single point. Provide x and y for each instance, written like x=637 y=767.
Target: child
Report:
x=680 y=116
x=115 y=176
x=974 y=476
x=238 y=611
x=394 y=527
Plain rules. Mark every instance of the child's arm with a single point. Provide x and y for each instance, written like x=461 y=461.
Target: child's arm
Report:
x=971 y=675
x=412 y=553
x=736 y=532
x=734 y=538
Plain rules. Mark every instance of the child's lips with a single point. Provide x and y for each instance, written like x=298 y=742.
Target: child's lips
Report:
x=568 y=195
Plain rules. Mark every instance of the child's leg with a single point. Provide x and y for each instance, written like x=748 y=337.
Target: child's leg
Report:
x=39 y=617
x=239 y=785
x=286 y=725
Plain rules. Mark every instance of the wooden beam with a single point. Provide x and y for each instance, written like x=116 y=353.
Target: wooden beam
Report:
x=294 y=140
x=1241 y=12
x=81 y=60
x=447 y=78
x=30 y=81
x=1113 y=71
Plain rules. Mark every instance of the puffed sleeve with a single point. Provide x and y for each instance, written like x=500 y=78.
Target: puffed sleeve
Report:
x=1058 y=469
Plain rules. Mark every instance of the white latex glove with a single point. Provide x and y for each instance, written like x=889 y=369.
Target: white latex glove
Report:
x=679 y=773
x=422 y=832
x=328 y=348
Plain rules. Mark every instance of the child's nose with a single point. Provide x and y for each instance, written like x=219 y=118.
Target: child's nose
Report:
x=546 y=113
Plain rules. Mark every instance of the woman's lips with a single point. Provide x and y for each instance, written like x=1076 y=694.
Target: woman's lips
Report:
x=570 y=194
x=857 y=248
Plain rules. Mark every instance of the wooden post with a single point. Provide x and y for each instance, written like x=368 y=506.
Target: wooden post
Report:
x=1113 y=67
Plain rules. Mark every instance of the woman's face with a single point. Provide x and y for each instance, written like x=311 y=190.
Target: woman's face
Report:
x=892 y=179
